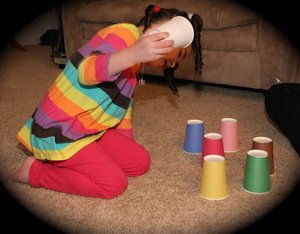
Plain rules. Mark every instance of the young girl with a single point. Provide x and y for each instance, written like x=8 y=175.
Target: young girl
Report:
x=81 y=134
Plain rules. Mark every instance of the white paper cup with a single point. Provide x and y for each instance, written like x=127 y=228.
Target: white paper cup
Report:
x=180 y=31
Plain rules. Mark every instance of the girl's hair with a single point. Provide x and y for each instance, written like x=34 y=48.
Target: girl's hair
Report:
x=154 y=14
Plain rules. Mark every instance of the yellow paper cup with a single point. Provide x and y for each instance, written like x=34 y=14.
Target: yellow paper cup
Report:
x=213 y=181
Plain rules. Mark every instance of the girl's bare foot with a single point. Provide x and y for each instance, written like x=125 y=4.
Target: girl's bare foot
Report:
x=22 y=175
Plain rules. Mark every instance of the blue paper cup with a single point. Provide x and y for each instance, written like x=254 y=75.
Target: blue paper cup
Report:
x=194 y=134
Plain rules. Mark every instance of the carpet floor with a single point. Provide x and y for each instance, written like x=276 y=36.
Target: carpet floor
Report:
x=166 y=199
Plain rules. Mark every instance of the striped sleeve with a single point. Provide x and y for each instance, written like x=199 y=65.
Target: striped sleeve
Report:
x=94 y=68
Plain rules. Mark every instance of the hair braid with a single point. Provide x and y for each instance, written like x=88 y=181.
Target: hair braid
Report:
x=148 y=12
x=197 y=24
x=169 y=74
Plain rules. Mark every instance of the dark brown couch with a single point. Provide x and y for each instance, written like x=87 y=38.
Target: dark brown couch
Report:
x=240 y=48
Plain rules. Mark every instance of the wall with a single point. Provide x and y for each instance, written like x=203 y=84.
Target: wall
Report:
x=31 y=33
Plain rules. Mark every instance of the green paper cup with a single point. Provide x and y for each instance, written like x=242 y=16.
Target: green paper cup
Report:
x=257 y=175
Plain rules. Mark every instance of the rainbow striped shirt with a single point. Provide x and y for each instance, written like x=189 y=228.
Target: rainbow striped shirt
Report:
x=84 y=100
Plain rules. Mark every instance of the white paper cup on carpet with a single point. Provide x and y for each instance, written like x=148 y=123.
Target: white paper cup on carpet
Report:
x=180 y=31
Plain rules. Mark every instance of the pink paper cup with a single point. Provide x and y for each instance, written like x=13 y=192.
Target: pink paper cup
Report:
x=229 y=132
x=212 y=144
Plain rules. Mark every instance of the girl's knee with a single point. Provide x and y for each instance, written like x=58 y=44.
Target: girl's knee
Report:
x=114 y=186
x=146 y=162
x=143 y=162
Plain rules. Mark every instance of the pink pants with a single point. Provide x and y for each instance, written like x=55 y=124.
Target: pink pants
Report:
x=100 y=169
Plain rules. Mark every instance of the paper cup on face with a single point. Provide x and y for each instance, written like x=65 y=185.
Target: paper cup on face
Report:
x=213 y=182
x=229 y=131
x=180 y=31
x=194 y=136
x=212 y=144
x=265 y=143
x=257 y=176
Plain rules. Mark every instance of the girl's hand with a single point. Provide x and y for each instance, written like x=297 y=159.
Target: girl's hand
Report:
x=151 y=47
x=147 y=48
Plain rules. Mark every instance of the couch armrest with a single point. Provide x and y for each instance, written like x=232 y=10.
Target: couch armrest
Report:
x=297 y=79
x=71 y=25
x=279 y=57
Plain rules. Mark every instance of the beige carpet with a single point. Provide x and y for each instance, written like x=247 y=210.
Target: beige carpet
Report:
x=166 y=199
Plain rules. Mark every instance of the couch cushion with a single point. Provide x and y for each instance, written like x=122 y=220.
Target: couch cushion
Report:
x=216 y=14
x=239 y=38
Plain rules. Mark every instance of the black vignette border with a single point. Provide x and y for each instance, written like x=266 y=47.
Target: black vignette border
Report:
x=283 y=14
